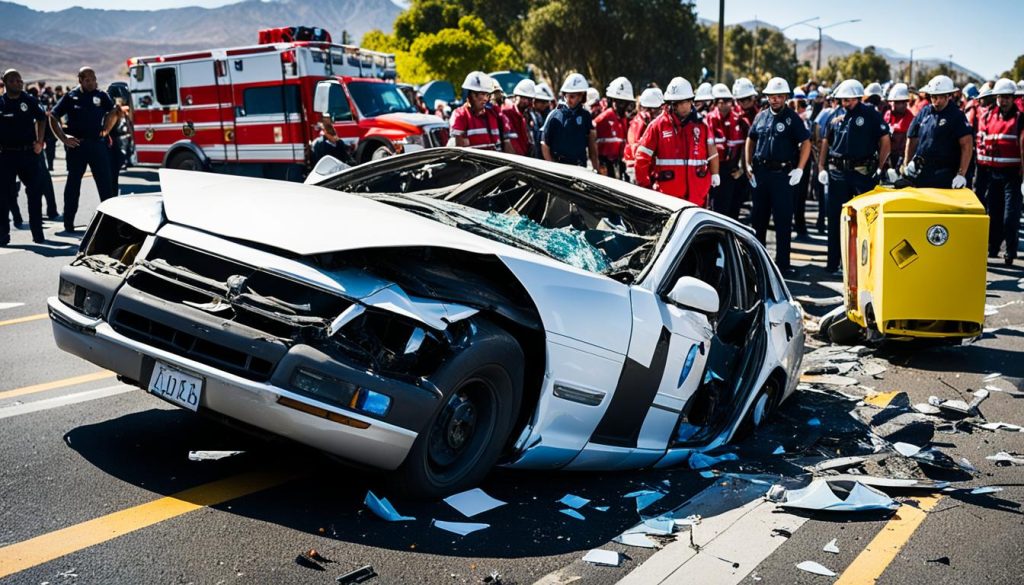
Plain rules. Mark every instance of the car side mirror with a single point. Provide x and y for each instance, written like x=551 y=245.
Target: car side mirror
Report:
x=322 y=103
x=325 y=167
x=694 y=294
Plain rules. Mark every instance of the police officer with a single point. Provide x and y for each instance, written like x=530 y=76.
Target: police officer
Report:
x=939 y=141
x=22 y=126
x=777 y=147
x=569 y=136
x=1001 y=144
x=91 y=115
x=857 y=143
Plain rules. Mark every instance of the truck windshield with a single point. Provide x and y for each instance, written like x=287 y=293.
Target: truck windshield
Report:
x=374 y=99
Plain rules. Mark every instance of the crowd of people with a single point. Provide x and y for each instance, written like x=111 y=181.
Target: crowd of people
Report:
x=779 y=147
x=32 y=120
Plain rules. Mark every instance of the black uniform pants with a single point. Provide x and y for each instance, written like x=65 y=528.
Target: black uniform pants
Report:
x=842 y=186
x=116 y=162
x=1004 y=203
x=46 y=184
x=92 y=154
x=982 y=178
x=724 y=196
x=22 y=165
x=935 y=178
x=773 y=200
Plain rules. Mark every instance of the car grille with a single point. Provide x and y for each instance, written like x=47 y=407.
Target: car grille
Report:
x=438 y=136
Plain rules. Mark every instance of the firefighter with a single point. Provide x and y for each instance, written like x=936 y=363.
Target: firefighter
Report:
x=729 y=131
x=1000 y=153
x=677 y=155
x=873 y=95
x=898 y=117
x=857 y=146
x=91 y=116
x=475 y=125
x=611 y=127
x=22 y=139
x=539 y=114
x=777 y=149
x=594 y=102
x=702 y=99
x=939 y=141
x=651 y=101
x=517 y=112
x=569 y=136
x=745 y=94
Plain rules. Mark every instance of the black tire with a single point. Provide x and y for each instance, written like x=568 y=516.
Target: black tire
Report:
x=186 y=161
x=375 y=150
x=845 y=331
x=765 y=403
x=483 y=387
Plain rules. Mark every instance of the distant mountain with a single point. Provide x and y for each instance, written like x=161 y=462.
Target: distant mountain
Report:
x=53 y=45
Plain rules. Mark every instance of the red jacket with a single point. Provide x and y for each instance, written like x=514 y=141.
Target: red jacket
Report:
x=483 y=131
x=611 y=135
x=672 y=157
x=999 y=138
x=898 y=125
x=637 y=126
x=730 y=134
x=518 y=131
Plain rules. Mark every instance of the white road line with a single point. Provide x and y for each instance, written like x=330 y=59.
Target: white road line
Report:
x=10 y=305
x=742 y=535
x=40 y=405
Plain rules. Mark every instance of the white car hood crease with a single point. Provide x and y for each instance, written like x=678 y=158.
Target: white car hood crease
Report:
x=307 y=220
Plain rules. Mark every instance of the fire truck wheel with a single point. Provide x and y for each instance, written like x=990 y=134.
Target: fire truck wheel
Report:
x=185 y=161
x=376 y=151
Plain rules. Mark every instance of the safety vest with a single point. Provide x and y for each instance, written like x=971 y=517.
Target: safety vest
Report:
x=483 y=131
x=999 y=139
x=730 y=134
x=518 y=129
x=611 y=134
x=672 y=157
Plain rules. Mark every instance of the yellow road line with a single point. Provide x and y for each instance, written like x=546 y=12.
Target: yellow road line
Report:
x=24 y=319
x=880 y=552
x=47 y=547
x=101 y=375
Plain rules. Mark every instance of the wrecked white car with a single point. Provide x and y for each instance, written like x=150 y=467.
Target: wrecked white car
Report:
x=438 y=313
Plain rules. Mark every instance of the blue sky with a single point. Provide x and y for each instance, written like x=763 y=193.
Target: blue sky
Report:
x=983 y=36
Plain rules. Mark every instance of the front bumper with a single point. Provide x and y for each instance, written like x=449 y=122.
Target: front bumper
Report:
x=381 y=444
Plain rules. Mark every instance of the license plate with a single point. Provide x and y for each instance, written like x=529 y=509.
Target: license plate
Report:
x=176 y=386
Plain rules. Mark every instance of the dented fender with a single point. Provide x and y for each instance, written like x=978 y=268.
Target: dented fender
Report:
x=143 y=212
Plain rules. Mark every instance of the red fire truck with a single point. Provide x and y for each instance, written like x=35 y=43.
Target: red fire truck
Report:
x=249 y=110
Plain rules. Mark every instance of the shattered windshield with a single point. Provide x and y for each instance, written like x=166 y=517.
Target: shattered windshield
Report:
x=572 y=221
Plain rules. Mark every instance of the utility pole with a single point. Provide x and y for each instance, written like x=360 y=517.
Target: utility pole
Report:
x=910 y=73
x=817 y=65
x=721 y=42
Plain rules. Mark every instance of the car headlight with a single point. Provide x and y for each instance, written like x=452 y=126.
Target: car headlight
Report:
x=339 y=392
x=412 y=140
x=82 y=299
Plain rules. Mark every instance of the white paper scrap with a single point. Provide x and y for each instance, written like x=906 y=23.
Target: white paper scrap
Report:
x=460 y=528
x=635 y=539
x=599 y=556
x=473 y=502
x=813 y=567
x=906 y=449
x=831 y=547
x=211 y=455
x=573 y=501
x=986 y=490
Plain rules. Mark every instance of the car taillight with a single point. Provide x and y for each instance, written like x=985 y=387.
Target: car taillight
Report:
x=852 y=259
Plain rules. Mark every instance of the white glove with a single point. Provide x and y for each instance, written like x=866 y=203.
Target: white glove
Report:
x=911 y=168
x=892 y=175
x=716 y=180
x=823 y=177
x=1022 y=188
x=959 y=182
x=795 y=175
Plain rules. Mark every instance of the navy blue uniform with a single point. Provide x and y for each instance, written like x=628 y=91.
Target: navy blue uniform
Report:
x=567 y=134
x=852 y=161
x=937 y=157
x=86 y=112
x=778 y=138
x=18 y=160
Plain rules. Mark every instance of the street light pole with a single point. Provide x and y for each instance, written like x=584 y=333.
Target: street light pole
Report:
x=910 y=72
x=817 y=65
x=796 y=49
x=721 y=41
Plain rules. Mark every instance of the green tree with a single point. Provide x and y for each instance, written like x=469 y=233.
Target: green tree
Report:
x=426 y=17
x=1016 y=72
x=452 y=53
x=773 y=57
x=865 y=66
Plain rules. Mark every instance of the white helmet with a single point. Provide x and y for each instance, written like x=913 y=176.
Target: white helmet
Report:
x=651 y=98
x=703 y=93
x=478 y=81
x=874 y=88
x=721 y=92
x=743 y=88
x=575 y=83
x=899 y=93
x=986 y=90
x=939 y=85
x=1004 y=87
x=593 y=96
x=525 y=88
x=849 y=89
x=799 y=93
x=678 y=90
x=1020 y=87
x=543 y=92
x=776 y=86
x=620 y=89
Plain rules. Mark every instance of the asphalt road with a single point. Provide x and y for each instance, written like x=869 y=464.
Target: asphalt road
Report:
x=96 y=485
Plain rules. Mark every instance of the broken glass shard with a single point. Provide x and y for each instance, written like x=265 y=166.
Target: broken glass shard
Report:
x=473 y=502
x=383 y=508
x=573 y=501
x=572 y=513
x=831 y=547
x=838 y=496
x=817 y=569
x=460 y=528
x=599 y=556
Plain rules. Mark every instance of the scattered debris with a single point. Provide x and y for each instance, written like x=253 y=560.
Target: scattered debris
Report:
x=967 y=466
x=906 y=449
x=211 y=455
x=573 y=501
x=473 y=502
x=831 y=547
x=814 y=422
x=603 y=557
x=782 y=532
x=645 y=498
x=69 y=574
x=838 y=496
x=316 y=556
x=383 y=508
x=829 y=380
x=991 y=377
x=819 y=302
x=925 y=408
x=460 y=528
x=601 y=508
x=572 y=513
x=881 y=399
x=1004 y=458
x=780 y=450
x=837 y=464
x=303 y=560
x=817 y=569
x=940 y=560
x=995 y=426
x=360 y=575
x=494 y=578
x=893 y=482
x=986 y=490
x=700 y=461
x=635 y=539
